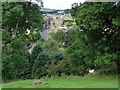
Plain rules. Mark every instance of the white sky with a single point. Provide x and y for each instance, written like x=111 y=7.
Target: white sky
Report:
x=60 y=4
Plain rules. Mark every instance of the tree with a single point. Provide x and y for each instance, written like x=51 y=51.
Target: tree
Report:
x=17 y=17
x=20 y=16
x=74 y=9
x=80 y=55
x=35 y=52
x=40 y=65
x=66 y=38
x=100 y=22
x=15 y=61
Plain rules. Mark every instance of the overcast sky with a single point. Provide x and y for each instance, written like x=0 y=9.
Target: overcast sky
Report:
x=60 y=4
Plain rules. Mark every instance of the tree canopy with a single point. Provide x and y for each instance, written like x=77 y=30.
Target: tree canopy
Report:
x=100 y=22
x=17 y=18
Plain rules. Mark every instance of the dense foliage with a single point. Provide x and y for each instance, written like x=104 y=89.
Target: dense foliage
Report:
x=40 y=65
x=18 y=18
x=93 y=44
x=101 y=24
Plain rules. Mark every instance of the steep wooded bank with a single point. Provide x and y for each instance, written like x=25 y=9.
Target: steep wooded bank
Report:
x=93 y=44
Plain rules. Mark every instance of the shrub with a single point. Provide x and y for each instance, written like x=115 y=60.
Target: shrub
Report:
x=39 y=68
x=35 y=52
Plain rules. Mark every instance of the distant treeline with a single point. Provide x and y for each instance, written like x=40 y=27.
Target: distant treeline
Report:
x=53 y=11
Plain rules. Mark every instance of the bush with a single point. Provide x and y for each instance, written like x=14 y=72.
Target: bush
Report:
x=40 y=65
x=35 y=52
x=57 y=68
x=15 y=64
x=51 y=46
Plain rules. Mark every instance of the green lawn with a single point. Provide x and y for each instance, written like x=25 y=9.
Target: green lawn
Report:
x=0 y=86
x=88 y=81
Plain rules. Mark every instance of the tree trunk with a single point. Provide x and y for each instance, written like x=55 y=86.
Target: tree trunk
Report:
x=15 y=31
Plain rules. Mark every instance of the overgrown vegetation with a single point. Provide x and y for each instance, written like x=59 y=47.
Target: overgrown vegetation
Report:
x=93 y=44
x=18 y=18
x=100 y=23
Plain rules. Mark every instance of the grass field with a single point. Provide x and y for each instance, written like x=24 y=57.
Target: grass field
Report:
x=89 y=81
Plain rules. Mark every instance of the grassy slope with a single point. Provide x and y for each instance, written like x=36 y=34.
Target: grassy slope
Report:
x=68 y=82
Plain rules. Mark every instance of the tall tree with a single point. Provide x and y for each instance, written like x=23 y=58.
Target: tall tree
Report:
x=101 y=23
x=17 y=18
